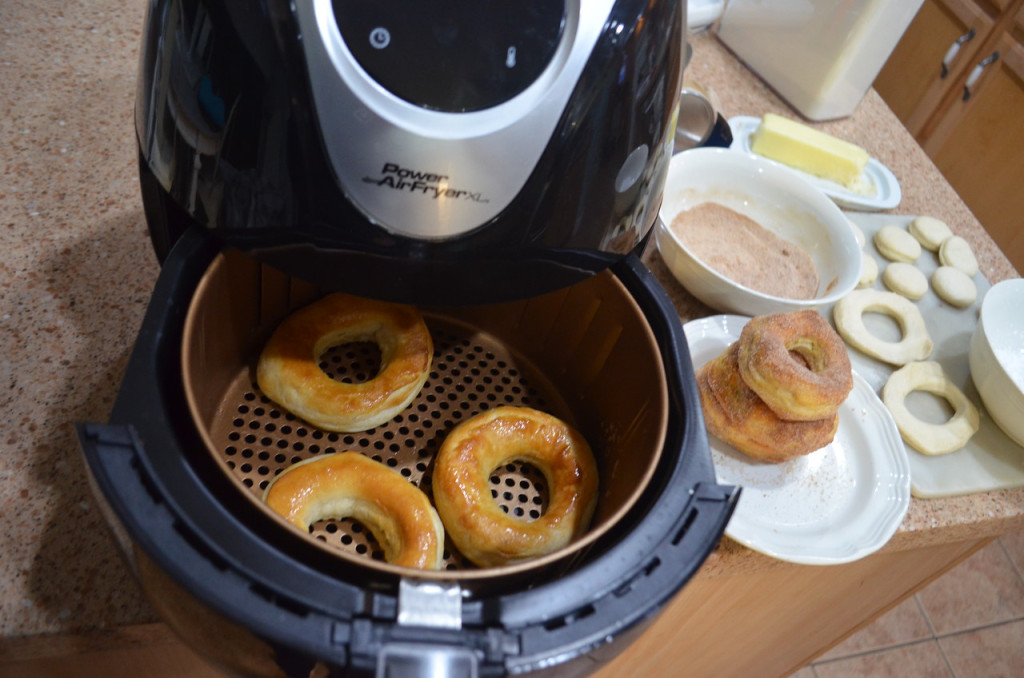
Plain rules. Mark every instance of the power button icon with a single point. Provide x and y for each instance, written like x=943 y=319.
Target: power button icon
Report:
x=380 y=37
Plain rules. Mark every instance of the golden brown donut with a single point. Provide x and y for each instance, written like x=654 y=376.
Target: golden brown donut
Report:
x=736 y=415
x=289 y=374
x=796 y=363
x=349 y=485
x=483 y=532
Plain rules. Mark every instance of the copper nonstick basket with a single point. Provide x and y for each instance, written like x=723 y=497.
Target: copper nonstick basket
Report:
x=585 y=354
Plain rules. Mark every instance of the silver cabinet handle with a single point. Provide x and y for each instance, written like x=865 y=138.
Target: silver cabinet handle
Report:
x=953 y=50
x=976 y=73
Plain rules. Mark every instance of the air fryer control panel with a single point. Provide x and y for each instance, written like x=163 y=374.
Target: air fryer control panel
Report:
x=412 y=163
x=438 y=151
x=455 y=56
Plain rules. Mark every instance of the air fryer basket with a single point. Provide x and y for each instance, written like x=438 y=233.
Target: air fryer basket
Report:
x=585 y=354
x=245 y=589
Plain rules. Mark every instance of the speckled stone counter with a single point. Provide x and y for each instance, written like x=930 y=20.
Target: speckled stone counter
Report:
x=76 y=271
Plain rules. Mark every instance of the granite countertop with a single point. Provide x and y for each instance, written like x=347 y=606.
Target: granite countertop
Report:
x=77 y=270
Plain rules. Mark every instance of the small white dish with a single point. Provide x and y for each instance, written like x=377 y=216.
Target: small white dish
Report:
x=887 y=193
x=996 y=356
x=835 y=505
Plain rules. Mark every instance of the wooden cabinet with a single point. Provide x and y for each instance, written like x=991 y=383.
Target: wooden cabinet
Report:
x=956 y=80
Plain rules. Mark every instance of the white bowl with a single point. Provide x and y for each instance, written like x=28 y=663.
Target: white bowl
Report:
x=777 y=198
x=996 y=356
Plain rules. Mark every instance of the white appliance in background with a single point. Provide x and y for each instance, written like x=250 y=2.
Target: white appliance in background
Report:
x=821 y=56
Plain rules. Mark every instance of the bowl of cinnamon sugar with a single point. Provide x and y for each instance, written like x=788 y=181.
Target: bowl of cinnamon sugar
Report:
x=746 y=235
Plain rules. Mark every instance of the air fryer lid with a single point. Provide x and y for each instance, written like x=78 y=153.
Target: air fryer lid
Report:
x=265 y=126
x=152 y=470
x=585 y=354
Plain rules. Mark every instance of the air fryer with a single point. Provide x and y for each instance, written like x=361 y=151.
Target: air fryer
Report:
x=437 y=152
x=498 y=167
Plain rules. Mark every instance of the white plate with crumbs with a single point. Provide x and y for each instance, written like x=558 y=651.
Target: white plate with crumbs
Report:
x=835 y=505
x=886 y=192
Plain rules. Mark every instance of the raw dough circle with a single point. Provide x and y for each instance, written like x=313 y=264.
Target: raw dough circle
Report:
x=895 y=244
x=930 y=232
x=906 y=279
x=957 y=252
x=954 y=286
x=848 y=313
x=868 y=271
x=927 y=438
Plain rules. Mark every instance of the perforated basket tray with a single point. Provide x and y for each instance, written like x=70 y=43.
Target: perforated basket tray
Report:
x=585 y=354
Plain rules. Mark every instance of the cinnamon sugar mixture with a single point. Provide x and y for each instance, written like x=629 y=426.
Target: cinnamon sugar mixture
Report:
x=746 y=252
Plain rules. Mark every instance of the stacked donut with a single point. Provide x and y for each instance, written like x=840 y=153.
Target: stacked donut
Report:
x=775 y=393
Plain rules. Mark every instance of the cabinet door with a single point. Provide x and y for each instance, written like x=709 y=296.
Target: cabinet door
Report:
x=912 y=82
x=979 y=147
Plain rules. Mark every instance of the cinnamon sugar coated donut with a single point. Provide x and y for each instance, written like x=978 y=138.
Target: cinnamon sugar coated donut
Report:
x=349 y=485
x=735 y=414
x=796 y=363
x=482 y=531
x=289 y=374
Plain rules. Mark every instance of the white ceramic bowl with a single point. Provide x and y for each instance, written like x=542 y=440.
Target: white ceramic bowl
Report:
x=778 y=199
x=996 y=356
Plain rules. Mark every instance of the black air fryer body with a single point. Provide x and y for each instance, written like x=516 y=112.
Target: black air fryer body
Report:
x=456 y=153
x=488 y=153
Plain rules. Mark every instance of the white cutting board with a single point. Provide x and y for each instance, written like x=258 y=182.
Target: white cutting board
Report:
x=990 y=460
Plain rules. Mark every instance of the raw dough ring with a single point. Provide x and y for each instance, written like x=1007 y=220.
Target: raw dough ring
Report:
x=848 y=314
x=350 y=485
x=809 y=385
x=927 y=438
x=483 y=532
x=289 y=374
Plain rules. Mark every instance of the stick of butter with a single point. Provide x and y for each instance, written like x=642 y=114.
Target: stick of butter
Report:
x=810 y=150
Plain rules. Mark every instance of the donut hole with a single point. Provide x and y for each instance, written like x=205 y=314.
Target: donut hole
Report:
x=931 y=408
x=520 y=489
x=800 y=359
x=883 y=326
x=348 y=534
x=352 y=362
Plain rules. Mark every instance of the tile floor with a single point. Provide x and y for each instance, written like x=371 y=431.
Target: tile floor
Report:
x=967 y=624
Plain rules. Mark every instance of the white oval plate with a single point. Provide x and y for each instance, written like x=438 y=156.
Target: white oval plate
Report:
x=887 y=193
x=835 y=505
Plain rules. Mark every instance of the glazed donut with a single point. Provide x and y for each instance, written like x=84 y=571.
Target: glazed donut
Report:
x=734 y=414
x=482 y=531
x=349 y=485
x=796 y=363
x=927 y=438
x=289 y=375
x=848 y=313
